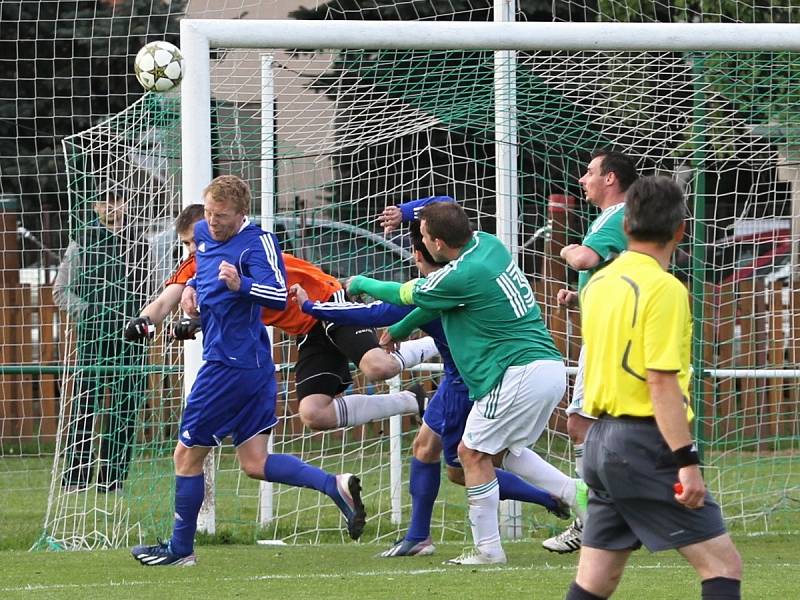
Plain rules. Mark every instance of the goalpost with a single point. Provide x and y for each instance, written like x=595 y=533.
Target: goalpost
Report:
x=330 y=122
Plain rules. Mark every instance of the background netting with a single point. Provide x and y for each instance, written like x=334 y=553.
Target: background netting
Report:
x=354 y=131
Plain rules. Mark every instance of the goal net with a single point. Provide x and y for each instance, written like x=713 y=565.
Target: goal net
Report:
x=327 y=135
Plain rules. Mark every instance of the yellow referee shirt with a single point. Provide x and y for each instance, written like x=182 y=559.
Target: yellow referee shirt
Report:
x=635 y=317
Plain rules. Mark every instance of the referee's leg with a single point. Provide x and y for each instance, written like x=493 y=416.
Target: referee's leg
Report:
x=719 y=566
x=599 y=573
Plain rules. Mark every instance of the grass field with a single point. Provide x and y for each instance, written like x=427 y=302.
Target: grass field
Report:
x=772 y=570
x=232 y=565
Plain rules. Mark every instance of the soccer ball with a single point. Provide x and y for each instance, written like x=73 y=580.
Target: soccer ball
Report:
x=159 y=66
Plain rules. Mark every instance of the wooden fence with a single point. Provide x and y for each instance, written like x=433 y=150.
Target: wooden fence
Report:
x=747 y=325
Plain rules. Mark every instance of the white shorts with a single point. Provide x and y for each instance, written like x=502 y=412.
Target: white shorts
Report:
x=576 y=405
x=514 y=414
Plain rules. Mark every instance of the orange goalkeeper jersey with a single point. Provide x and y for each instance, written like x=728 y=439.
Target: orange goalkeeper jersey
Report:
x=318 y=284
x=183 y=273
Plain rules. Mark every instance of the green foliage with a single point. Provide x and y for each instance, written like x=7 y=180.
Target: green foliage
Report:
x=66 y=65
x=704 y=11
x=761 y=86
x=457 y=10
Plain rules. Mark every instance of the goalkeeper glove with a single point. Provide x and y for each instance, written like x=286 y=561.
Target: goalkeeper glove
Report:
x=139 y=329
x=185 y=329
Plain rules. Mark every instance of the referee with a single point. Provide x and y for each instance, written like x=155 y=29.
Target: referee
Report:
x=637 y=332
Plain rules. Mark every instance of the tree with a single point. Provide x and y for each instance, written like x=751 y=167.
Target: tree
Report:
x=66 y=64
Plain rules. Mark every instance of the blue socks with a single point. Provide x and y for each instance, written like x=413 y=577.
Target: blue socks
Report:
x=288 y=469
x=189 y=492
x=423 y=485
x=516 y=488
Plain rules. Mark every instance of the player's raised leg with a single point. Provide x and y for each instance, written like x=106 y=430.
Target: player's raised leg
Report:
x=322 y=373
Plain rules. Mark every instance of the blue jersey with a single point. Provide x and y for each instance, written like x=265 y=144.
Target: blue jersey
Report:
x=232 y=329
x=410 y=210
x=383 y=314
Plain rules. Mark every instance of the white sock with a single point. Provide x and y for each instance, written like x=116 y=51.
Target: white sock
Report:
x=414 y=352
x=484 y=501
x=357 y=409
x=578 y=459
x=532 y=467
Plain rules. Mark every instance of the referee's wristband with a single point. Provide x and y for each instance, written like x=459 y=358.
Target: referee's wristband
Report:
x=686 y=456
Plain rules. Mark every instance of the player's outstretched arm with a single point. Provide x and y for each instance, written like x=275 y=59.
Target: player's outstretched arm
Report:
x=410 y=210
x=166 y=302
x=393 y=216
x=414 y=320
x=374 y=314
x=388 y=291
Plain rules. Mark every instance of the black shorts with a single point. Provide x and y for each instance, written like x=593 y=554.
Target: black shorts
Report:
x=630 y=471
x=324 y=355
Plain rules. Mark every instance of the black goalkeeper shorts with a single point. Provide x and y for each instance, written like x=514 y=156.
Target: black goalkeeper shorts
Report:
x=324 y=357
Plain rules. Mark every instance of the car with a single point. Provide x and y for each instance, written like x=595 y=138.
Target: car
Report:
x=754 y=248
x=338 y=248
x=344 y=250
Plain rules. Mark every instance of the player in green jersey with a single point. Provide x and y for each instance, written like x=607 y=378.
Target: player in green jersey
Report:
x=607 y=177
x=514 y=372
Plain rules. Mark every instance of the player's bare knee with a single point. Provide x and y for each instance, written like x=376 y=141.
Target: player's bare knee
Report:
x=188 y=462
x=253 y=468
x=727 y=563
x=378 y=366
x=426 y=446
x=734 y=565
x=468 y=457
x=424 y=452
x=317 y=415
x=455 y=475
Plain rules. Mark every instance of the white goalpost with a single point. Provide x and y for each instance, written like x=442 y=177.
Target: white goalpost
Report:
x=200 y=37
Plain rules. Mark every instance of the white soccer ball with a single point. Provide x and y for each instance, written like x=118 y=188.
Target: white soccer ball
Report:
x=159 y=66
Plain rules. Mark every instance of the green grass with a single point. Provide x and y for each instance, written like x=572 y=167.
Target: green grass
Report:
x=772 y=569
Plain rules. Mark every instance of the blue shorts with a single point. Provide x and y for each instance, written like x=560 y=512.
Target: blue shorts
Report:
x=228 y=401
x=446 y=414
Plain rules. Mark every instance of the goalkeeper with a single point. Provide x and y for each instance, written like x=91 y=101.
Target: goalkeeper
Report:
x=443 y=420
x=325 y=349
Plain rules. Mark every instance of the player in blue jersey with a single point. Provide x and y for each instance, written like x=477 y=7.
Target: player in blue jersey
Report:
x=443 y=420
x=239 y=271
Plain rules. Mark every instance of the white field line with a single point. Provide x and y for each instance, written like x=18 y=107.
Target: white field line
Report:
x=321 y=576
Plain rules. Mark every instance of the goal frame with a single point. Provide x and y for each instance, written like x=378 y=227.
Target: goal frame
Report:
x=199 y=37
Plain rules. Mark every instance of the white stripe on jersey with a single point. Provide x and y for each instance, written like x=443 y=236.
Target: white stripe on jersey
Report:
x=511 y=293
x=272 y=258
x=267 y=292
x=432 y=281
x=270 y=292
x=343 y=306
x=605 y=216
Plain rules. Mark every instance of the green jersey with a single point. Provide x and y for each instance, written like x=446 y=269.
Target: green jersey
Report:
x=490 y=317
x=606 y=236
